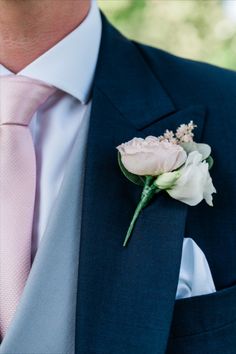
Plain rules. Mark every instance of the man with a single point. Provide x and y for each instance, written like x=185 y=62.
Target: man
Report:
x=72 y=88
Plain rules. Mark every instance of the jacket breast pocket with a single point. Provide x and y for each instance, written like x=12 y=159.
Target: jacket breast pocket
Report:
x=204 y=324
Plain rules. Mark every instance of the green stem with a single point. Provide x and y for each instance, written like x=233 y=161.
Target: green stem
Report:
x=147 y=195
x=147 y=186
x=133 y=221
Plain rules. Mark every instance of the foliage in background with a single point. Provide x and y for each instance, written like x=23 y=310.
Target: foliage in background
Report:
x=196 y=29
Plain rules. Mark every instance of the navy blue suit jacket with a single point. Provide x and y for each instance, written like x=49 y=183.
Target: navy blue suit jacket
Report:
x=126 y=296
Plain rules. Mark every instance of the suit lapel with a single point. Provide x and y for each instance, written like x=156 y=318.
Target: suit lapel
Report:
x=126 y=295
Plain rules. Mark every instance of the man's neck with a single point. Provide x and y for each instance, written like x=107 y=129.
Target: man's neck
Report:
x=28 y=28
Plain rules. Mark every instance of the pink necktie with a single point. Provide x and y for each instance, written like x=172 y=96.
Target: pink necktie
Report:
x=20 y=97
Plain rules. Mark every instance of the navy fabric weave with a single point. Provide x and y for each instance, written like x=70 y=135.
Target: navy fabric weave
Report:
x=126 y=297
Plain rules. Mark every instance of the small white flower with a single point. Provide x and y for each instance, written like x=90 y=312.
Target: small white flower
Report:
x=194 y=183
x=185 y=132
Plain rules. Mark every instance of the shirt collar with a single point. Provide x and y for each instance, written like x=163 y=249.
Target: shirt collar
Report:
x=70 y=64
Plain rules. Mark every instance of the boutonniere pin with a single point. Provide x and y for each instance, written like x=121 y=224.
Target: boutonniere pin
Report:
x=173 y=163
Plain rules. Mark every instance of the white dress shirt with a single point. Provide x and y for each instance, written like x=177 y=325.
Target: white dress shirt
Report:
x=70 y=66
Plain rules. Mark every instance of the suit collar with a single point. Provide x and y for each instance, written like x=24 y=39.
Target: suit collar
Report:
x=128 y=82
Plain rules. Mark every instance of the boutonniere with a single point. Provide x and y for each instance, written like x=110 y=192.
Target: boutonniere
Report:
x=173 y=163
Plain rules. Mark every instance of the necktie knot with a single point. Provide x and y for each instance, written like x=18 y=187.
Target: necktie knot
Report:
x=20 y=98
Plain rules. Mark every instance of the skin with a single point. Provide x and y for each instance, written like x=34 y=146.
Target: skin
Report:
x=28 y=28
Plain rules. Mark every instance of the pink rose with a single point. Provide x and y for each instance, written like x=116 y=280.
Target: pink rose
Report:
x=151 y=157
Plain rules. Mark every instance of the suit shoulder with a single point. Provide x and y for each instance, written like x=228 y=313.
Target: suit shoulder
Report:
x=188 y=75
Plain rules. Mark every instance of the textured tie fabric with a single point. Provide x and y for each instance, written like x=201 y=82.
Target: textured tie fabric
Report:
x=20 y=98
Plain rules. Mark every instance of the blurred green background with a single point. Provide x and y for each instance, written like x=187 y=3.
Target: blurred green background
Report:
x=198 y=29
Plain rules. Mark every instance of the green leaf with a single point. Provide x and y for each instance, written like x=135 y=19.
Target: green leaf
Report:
x=139 y=180
x=210 y=161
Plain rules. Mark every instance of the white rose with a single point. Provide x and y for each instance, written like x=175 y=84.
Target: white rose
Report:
x=194 y=183
x=151 y=157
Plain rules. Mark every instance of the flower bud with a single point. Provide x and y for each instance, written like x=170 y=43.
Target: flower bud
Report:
x=167 y=180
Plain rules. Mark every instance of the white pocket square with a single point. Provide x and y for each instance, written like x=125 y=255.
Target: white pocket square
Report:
x=195 y=276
